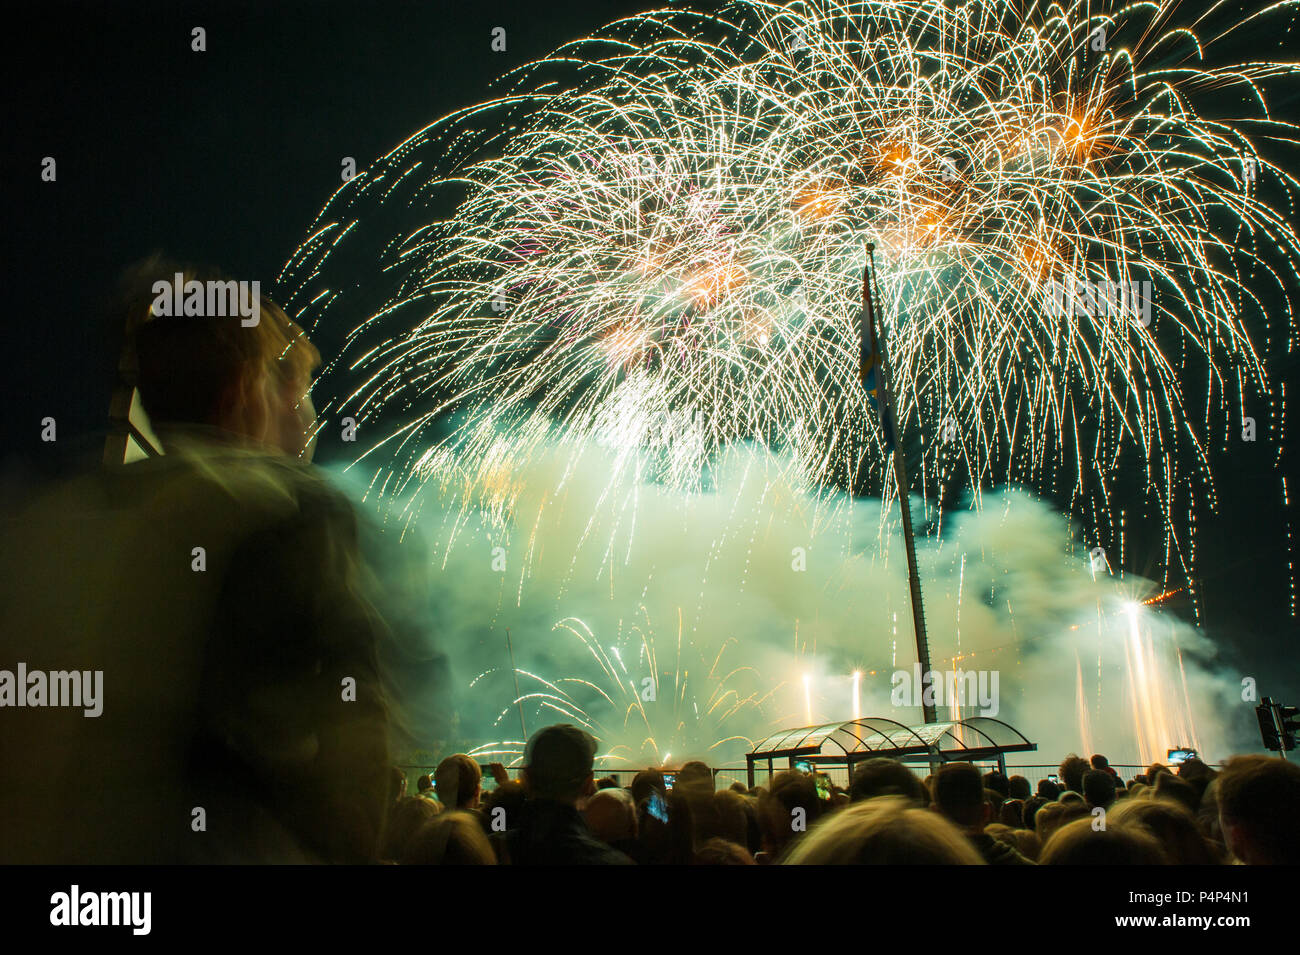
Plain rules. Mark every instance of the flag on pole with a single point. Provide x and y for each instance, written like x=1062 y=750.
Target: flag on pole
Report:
x=869 y=361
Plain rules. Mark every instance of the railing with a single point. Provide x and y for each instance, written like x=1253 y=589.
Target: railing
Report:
x=724 y=776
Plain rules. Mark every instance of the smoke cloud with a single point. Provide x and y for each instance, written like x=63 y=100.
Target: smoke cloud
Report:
x=690 y=625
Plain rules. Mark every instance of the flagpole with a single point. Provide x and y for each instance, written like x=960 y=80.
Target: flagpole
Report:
x=885 y=397
x=518 y=699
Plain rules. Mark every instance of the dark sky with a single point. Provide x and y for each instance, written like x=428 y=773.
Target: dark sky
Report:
x=226 y=156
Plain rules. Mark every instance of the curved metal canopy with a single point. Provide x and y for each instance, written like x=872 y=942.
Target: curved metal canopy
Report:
x=885 y=737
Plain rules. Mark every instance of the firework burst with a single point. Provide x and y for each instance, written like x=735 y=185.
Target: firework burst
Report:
x=653 y=243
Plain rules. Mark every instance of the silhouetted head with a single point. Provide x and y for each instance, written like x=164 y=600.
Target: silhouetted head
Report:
x=558 y=762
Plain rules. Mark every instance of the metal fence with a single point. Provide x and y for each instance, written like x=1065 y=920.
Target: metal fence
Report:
x=724 y=776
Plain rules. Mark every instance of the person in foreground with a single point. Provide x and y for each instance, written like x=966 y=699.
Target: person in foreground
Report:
x=215 y=590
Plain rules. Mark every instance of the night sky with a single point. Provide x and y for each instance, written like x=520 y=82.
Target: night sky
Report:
x=226 y=156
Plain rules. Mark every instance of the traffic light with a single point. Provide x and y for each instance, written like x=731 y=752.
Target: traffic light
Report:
x=1278 y=725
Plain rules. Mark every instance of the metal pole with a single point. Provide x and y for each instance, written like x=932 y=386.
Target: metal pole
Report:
x=1276 y=712
x=885 y=397
x=515 y=673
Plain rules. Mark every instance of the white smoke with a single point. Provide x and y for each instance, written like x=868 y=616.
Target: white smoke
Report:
x=758 y=590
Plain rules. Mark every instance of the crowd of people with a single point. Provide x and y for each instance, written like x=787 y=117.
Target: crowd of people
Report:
x=558 y=813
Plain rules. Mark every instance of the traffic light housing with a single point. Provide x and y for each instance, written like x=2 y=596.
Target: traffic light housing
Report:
x=1278 y=725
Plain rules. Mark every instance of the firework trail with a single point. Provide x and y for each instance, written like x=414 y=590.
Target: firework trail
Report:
x=637 y=733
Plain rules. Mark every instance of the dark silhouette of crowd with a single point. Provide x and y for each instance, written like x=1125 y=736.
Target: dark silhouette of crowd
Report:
x=558 y=813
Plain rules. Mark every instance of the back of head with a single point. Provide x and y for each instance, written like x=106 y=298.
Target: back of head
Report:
x=646 y=782
x=1071 y=771
x=1169 y=786
x=1098 y=788
x=1012 y=813
x=190 y=368
x=1026 y=843
x=998 y=783
x=959 y=794
x=888 y=830
x=509 y=798
x=451 y=838
x=1193 y=769
x=1018 y=788
x=1056 y=815
x=1170 y=824
x=1259 y=808
x=459 y=781
x=695 y=778
x=1099 y=761
x=1078 y=843
x=791 y=798
x=1049 y=790
x=558 y=761
x=1197 y=775
x=1032 y=805
x=611 y=815
x=424 y=783
x=1154 y=770
x=729 y=820
x=882 y=776
x=722 y=852
x=1047 y=820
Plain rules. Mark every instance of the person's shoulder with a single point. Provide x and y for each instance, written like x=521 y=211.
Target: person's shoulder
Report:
x=259 y=482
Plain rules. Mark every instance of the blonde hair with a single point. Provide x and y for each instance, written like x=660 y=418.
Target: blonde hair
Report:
x=458 y=779
x=1078 y=843
x=887 y=830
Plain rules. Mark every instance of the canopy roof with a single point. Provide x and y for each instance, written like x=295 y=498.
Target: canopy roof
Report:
x=974 y=738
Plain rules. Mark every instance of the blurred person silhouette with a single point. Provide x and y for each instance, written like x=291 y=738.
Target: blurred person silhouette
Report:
x=215 y=587
x=449 y=838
